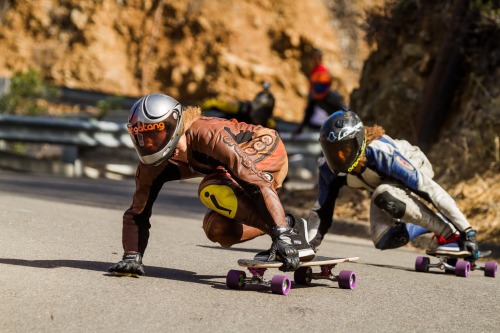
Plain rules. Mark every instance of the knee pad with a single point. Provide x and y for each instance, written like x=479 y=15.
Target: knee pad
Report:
x=213 y=225
x=395 y=237
x=217 y=192
x=210 y=224
x=388 y=203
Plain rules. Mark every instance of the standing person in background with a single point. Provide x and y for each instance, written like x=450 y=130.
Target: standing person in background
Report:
x=317 y=62
x=321 y=100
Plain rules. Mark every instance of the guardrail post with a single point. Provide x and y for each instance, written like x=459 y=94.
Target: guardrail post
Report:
x=72 y=164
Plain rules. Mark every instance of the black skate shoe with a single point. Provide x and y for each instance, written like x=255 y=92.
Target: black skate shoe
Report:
x=299 y=239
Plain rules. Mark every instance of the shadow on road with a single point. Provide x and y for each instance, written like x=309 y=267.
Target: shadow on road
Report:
x=151 y=271
x=387 y=266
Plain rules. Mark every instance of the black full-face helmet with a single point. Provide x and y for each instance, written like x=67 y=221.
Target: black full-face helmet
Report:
x=342 y=139
x=262 y=106
x=155 y=127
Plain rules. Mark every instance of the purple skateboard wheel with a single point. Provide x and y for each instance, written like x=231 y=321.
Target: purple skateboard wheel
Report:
x=236 y=279
x=421 y=264
x=347 y=280
x=462 y=268
x=280 y=284
x=491 y=269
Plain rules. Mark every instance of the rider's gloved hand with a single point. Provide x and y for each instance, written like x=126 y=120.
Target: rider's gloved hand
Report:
x=131 y=263
x=468 y=240
x=282 y=246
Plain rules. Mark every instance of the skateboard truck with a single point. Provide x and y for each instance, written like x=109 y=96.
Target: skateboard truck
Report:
x=345 y=279
x=281 y=284
x=453 y=265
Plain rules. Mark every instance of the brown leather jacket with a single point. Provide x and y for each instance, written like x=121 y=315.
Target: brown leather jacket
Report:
x=254 y=156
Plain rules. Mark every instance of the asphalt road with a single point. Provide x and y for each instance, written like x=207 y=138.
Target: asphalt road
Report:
x=58 y=236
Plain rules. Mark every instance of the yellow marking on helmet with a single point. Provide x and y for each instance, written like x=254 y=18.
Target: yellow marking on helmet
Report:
x=221 y=199
x=355 y=164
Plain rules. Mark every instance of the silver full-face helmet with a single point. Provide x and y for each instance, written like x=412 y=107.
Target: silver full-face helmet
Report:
x=155 y=127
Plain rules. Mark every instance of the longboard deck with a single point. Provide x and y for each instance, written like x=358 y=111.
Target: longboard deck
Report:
x=482 y=254
x=317 y=261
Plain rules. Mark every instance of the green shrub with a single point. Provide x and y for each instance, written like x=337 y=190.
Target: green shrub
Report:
x=109 y=104
x=27 y=94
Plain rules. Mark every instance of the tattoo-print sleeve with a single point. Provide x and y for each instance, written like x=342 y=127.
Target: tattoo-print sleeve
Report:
x=257 y=183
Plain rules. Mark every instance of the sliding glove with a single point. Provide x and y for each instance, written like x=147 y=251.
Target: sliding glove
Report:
x=282 y=249
x=131 y=263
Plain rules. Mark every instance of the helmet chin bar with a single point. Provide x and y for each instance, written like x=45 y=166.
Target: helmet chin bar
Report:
x=161 y=156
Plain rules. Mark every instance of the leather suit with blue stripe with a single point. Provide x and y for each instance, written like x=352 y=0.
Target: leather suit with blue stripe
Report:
x=399 y=179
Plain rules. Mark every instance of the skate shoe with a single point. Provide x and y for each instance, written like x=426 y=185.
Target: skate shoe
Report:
x=446 y=246
x=299 y=238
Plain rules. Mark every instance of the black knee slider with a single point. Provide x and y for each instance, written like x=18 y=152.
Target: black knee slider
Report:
x=395 y=207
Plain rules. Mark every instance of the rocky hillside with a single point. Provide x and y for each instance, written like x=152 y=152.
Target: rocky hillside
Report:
x=189 y=49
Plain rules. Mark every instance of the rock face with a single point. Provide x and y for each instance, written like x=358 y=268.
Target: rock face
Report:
x=188 y=49
x=434 y=75
x=403 y=89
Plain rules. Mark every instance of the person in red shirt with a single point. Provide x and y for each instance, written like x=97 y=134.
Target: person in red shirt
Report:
x=321 y=100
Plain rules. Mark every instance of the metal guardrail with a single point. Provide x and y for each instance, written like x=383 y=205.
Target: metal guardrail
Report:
x=87 y=97
x=88 y=133
x=64 y=131
x=78 y=135
x=84 y=133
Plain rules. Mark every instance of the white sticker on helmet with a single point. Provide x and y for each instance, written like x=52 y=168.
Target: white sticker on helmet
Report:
x=345 y=132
